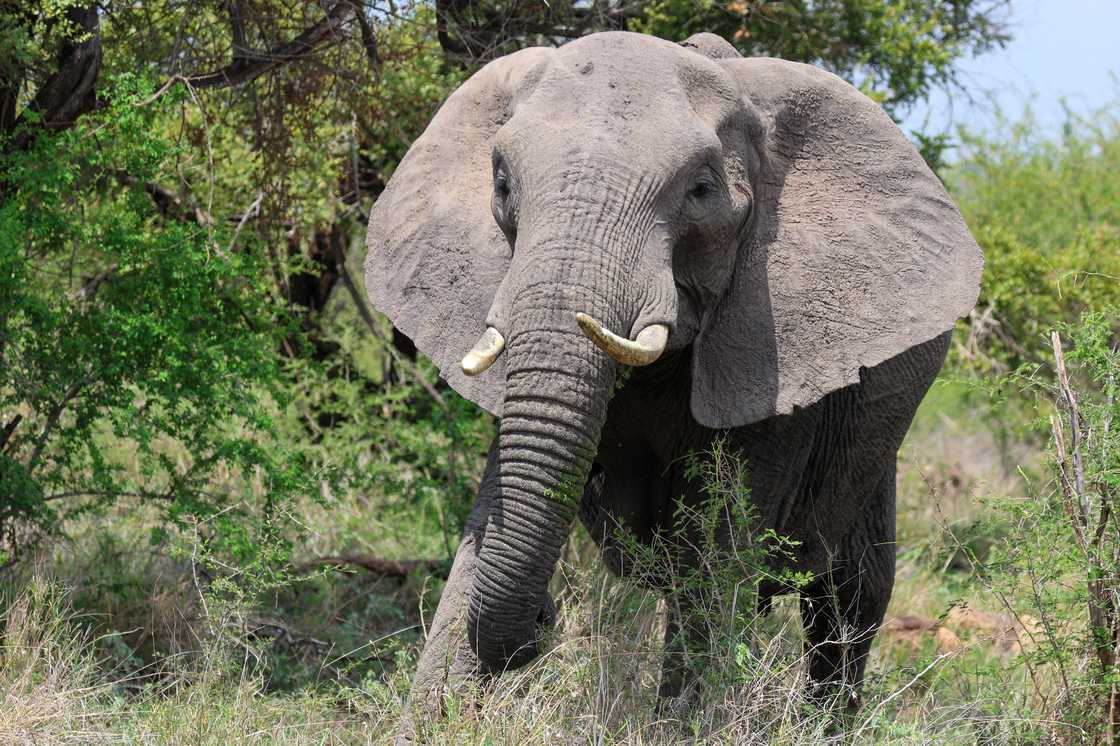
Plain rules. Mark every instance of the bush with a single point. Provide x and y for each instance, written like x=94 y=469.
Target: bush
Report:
x=137 y=356
x=1047 y=214
x=1060 y=562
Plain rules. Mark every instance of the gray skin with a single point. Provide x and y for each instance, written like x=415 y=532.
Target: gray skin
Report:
x=809 y=267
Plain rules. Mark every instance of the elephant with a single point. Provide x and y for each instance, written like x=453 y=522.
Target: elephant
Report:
x=626 y=248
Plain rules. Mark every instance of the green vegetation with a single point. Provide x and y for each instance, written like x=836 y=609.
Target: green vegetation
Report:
x=1047 y=214
x=896 y=52
x=218 y=470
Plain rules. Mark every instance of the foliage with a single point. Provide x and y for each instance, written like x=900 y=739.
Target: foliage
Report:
x=164 y=337
x=896 y=52
x=116 y=329
x=1047 y=214
x=1059 y=561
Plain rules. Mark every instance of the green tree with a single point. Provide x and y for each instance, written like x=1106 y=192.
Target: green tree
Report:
x=136 y=354
x=895 y=51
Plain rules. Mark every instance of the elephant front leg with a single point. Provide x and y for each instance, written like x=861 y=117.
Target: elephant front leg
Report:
x=448 y=662
x=447 y=657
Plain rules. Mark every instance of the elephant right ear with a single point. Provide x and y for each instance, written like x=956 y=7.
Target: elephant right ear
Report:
x=857 y=253
x=435 y=256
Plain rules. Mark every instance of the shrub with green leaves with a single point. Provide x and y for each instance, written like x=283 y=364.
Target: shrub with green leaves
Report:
x=1058 y=569
x=1046 y=211
x=137 y=355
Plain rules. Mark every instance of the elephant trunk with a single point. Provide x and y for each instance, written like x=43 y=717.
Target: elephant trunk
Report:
x=557 y=388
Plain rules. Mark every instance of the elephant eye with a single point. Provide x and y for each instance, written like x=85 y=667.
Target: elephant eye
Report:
x=502 y=205
x=501 y=183
x=703 y=188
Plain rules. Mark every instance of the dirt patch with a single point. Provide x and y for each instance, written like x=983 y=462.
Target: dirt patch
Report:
x=963 y=627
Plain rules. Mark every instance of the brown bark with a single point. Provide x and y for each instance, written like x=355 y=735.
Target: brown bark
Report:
x=248 y=64
x=70 y=91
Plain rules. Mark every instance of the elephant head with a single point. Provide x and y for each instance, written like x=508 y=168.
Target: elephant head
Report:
x=570 y=211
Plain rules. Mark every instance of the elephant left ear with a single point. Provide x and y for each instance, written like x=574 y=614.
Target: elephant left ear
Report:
x=856 y=252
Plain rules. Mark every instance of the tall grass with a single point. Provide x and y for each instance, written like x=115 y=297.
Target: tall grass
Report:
x=50 y=691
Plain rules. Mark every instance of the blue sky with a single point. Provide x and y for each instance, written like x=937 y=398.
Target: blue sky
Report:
x=1060 y=49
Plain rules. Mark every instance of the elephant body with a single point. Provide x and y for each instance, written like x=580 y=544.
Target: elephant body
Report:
x=659 y=247
x=811 y=474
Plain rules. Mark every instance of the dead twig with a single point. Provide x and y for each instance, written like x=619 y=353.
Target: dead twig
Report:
x=1101 y=576
x=377 y=566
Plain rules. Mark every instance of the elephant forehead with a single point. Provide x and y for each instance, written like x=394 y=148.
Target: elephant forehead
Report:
x=591 y=141
x=595 y=105
x=637 y=85
x=619 y=57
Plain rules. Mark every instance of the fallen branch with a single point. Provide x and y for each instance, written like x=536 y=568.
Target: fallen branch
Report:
x=377 y=566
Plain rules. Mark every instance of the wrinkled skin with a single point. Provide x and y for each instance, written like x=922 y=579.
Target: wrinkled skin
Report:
x=807 y=265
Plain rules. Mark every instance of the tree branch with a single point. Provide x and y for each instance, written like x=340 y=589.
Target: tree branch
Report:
x=70 y=92
x=371 y=323
x=168 y=204
x=382 y=567
x=99 y=493
x=1074 y=416
x=89 y=288
x=237 y=29
x=52 y=420
x=8 y=431
x=369 y=40
x=249 y=64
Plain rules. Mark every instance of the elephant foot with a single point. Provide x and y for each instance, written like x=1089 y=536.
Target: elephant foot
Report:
x=547 y=616
x=835 y=696
x=406 y=732
x=675 y=699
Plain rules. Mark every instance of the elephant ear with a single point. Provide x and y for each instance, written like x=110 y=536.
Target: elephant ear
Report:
x=855 y=254
x=435 y=256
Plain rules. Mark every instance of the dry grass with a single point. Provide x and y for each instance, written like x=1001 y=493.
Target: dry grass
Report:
x=48 y=683
x=166 y=661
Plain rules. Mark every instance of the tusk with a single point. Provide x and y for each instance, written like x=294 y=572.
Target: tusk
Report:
x=485 y=352
x=642 y=351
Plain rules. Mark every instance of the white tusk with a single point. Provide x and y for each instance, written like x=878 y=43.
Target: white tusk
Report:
x=485 y=352
x=642 y=351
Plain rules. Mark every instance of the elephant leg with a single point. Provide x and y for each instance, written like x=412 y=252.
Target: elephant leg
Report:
x=673 y=668
x=688 y=634
x=677 y=675
x=447 y=658
x=844 y=608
